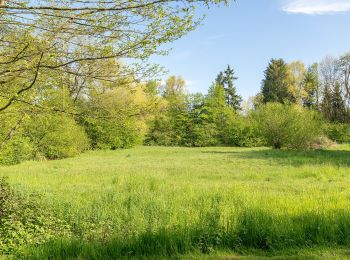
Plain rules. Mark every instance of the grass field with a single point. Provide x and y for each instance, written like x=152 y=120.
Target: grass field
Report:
x=194 y=202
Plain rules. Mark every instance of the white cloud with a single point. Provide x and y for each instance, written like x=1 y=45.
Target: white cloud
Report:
x=316 y=7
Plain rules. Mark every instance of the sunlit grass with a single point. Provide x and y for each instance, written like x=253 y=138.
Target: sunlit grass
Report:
x=171 y=201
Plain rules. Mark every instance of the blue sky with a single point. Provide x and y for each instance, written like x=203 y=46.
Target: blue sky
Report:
x=248 y=33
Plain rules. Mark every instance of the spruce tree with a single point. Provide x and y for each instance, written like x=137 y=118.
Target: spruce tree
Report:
x=226 y=81
x=333 y=104
x=277 y=83
x=338 y=105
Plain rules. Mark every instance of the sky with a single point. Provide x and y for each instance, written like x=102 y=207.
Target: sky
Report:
x=248 y=33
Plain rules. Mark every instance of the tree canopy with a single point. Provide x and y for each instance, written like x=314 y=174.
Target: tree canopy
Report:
x=70 y=37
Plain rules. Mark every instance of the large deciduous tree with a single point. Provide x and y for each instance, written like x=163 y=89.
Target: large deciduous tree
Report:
x=312 y=88
x=68 y=36
x=297 y=88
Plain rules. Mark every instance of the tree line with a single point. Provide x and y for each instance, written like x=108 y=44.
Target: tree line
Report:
x=298 y=107
x=75 y=76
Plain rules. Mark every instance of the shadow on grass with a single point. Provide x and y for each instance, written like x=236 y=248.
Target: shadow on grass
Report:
x=294 y=158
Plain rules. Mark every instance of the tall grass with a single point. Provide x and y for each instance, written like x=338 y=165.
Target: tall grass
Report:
x=162 y=202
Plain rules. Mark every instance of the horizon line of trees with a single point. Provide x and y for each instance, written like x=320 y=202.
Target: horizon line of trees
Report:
x=321 y=91
x=298 y=107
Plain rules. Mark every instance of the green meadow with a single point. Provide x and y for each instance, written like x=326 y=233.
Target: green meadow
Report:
x=161 y=202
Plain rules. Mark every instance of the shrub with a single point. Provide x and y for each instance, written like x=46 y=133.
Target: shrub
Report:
x=160 y=132
x=113 y=134
x=24 y=222
x=338 y=132
x=200 y=135
x=288 y=126
x=117 y=117
x=57 y=136
x=17 y=150
x=241 y=131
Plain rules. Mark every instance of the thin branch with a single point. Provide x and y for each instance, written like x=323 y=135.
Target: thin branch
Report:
x=26 y=88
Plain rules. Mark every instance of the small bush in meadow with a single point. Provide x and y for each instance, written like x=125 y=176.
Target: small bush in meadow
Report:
x=288 y=126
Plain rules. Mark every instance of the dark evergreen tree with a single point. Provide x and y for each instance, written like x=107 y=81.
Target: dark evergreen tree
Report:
x=277 y=82
x=226 y=81
x=333 y=104
x=339 y=113
x=220 y=79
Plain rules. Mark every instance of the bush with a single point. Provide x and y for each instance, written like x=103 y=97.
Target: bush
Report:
x=113 y=134
x=241 y=131
x=57 y=136
x=17 y=150
x=160 y=132
x=288 y=126
x=338 y=132
x=23 y=222
x=201 y=135
x=117 y=117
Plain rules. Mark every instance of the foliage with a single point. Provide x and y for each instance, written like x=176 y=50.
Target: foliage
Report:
x=196 y=120
x=242 y=132
x=288 y=126
x=201 y=129
x=277 y=85
x=226 y=80
x=71 y=41
x=169 y=125
x=119 y=115
x=18 y=149
x=312 y=87
x=160 y=132
x=23 y=221
x=41 y=135
x=56 y=136
x=193 y=119
x=297 y=87
x=333 y=104
x=59 y=56
x=338 y=132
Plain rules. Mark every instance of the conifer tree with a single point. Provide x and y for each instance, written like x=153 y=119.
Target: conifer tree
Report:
x=333 y=104
x=277 y=83
x=226 y=81
x=338 y=104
